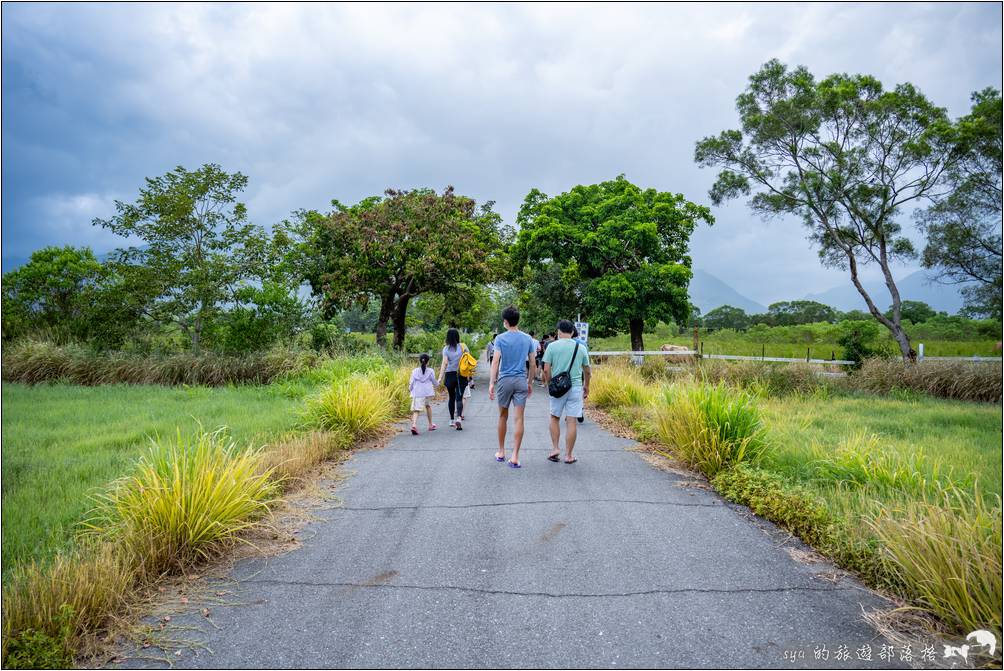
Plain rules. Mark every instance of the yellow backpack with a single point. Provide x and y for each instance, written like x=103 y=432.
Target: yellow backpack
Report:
x=468 y=364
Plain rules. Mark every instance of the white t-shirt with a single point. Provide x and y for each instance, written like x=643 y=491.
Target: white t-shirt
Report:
x=536 y=346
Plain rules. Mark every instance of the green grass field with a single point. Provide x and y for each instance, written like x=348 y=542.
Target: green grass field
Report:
x=952 y=442
x=818 y=350
x=61 y=442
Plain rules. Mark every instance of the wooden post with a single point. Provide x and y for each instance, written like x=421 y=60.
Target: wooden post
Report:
x=696 y=342
x=807 y=354
x=763 y=351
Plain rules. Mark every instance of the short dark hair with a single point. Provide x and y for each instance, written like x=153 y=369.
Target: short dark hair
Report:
x=566 y=326
x=511 y=315
x=531 y=334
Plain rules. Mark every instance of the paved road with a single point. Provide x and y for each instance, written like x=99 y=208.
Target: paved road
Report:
x=441 y=557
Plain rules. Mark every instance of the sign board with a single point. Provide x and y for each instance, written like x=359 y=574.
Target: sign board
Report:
x=583 y=328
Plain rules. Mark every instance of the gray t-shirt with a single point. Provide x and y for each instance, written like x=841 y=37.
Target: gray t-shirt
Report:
x=453 y=358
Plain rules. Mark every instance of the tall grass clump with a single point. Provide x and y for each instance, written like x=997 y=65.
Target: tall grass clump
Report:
x=395 y=381
x=617 y=385
x=860 y=460
x=710 y=427
x=963 y=380
x=187 y=499
x=946 y=555
x=48 y=607
x=35 y=362
x=357 y=405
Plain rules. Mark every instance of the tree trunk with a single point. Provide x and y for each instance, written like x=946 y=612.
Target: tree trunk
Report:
x=637 y=327
x=386 y=308
x=196 y=334
x=400 y=314
x=894 y=326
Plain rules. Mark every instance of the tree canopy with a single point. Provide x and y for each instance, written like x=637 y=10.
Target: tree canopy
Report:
x=844 y=155
x=627 y=247
x=964 y=228
x=726 y=317
x=398 y=247
x=197 y=247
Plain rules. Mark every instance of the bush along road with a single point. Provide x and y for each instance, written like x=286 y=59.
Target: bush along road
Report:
x=439 y=556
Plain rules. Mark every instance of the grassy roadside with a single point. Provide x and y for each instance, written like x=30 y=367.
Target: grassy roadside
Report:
x=902 y=489
x=141 y=508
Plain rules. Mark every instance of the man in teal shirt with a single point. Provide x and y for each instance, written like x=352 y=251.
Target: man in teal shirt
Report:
x=561 y=355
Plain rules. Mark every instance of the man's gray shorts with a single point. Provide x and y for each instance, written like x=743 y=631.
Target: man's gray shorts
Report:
x=570 y=404
x=511 y=389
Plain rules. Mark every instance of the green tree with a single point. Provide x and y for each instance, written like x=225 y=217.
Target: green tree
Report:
x=627 y=246
x=68 y=294
x=197 y=248
x=915 y=311
x=963 y=227
x=726 y=317
x=842 y=154
x=549 y=294
x=398 y=247
x=790 y=313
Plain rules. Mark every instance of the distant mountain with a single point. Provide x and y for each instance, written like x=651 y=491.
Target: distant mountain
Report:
x=708 y=292
x=914 y=287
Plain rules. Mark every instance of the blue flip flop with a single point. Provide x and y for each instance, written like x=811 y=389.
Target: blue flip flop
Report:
x=500 y=459
x=512 y=465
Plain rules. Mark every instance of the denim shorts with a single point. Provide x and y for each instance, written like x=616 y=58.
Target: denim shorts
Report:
x=511 y=389
x=570 y=403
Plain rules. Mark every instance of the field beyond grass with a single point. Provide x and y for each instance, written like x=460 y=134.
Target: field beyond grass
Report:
x=62 y=442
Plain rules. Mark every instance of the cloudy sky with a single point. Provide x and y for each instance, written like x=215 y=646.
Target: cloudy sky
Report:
x=314 y=102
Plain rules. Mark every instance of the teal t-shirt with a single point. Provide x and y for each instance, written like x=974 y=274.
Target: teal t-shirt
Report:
x=559 y=355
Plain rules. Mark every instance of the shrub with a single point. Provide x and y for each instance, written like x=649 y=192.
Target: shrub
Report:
x=963 y=380
x=947 y=556
x=357 y=405
x=47 y=607
x=710 y=427
x=187 y=499
x=772 y=497
x=617 y=385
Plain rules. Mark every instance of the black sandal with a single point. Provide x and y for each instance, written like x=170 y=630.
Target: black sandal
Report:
x=554 y=457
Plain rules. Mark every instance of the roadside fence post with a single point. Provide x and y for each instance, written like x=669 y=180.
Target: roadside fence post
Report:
x=920 y=352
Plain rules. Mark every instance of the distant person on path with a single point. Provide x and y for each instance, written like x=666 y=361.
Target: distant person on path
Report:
x=576 y=338
x=567 y=354
x=450 y=377
x=423 y=390
x=512 y=373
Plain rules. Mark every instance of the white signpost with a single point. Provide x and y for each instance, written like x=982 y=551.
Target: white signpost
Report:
x=583 y=328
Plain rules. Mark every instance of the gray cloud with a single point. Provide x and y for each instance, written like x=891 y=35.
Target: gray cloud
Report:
x=317 y=101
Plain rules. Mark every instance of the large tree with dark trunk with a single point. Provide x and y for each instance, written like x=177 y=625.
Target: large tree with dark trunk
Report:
x=400 y=246
x=845 y=156
x=625 y=248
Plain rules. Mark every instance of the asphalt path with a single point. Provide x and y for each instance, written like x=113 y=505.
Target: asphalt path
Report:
x=441 y=557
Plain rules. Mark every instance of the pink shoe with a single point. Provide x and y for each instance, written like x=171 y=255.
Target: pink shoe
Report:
x=432 y=427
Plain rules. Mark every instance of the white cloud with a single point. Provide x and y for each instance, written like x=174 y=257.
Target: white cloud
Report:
x=314 y=101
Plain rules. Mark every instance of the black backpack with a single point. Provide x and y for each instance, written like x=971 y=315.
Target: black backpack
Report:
x=562 y=382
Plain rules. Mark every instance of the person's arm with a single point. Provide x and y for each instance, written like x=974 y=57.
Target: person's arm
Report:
x=531 y=358
x=496 y=361
x=442 y=371
x=586 y=374
x=547 y=372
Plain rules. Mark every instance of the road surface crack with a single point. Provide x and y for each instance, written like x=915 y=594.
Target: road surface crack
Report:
x=554 y=595
x=531 y=503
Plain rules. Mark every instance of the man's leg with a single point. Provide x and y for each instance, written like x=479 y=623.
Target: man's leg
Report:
x=571 y=429
x=555 y=435
x=517 y=432
x=503 y=421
